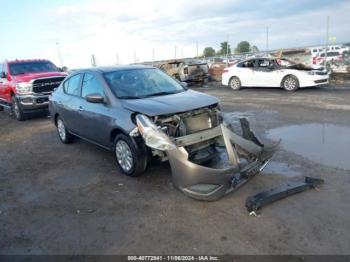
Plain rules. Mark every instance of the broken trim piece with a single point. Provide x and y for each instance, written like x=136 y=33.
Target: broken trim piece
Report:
x=256 y=202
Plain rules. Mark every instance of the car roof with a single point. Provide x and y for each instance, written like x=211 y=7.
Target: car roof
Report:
x=26 y=61
x=106 y=69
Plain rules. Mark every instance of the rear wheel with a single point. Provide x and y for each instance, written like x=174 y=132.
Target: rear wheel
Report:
x=16 y=110
x=63 y=133
x=290 y=83
x=1 y=108
x=131 y=159
x=235 y=83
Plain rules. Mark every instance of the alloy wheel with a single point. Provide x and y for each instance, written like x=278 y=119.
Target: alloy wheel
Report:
x=61 y=129
x=290 y=84
x=124 y=155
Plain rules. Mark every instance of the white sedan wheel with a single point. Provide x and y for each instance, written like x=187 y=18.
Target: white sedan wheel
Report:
x=235 y=83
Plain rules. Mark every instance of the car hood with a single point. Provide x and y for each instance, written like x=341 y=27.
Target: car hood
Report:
x=30 y=76
x=170 y=104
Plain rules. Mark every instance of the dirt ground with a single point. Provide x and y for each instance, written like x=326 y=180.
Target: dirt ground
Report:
x=71 y=199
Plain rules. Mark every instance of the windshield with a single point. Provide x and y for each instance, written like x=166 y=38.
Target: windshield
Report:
x=20 y=68
x=141 y=83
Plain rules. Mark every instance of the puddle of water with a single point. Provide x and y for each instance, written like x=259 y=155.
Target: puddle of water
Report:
x=327 y=144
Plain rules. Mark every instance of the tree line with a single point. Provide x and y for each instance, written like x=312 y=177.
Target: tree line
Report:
x=225 y=48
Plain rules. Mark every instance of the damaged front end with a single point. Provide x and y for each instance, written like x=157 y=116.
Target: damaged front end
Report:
x=190 y=152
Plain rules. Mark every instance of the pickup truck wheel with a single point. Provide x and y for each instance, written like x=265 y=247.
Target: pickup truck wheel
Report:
x=290 y=83
x=131 y=159
x=63 y=133
x=235 y=83
x=16 y=110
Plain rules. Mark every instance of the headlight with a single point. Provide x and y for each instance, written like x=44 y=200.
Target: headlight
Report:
x=153 y=136
x=24 y=88
x=311 y=73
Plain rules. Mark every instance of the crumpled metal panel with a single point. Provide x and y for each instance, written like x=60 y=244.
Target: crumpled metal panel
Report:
x=205 y=183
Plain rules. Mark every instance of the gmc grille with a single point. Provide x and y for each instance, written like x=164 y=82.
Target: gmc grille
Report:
x=46 y=85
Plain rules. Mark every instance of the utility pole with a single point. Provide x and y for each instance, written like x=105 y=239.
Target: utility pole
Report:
x=267 y=40
x=197 y=49
x=93 y=60
x=228 y=37
x=175 y=52
x=59 y=53
x=327 y=41
x=182 y=53
x=153 y=57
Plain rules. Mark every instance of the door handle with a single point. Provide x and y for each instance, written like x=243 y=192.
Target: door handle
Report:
x=59 y=102
x=81 y=108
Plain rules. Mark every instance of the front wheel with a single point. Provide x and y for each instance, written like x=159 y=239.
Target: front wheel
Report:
x=235 y=83
x=131 y=159
x=16 y=110
x=290 y=83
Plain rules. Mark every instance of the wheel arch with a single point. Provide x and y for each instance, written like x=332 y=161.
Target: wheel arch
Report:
x=115 y=131
x=55 y=118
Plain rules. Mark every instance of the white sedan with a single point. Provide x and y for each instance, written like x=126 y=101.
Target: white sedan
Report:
x=270 y=72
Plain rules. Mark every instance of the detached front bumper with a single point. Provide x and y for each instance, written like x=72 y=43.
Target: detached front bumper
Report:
x=205 y=183
x=247 y=156
x=33 y=102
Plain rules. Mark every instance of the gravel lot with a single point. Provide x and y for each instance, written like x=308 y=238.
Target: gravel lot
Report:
x=71 y=199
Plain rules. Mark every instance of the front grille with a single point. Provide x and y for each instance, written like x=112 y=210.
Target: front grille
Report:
x=320 y=73
x=46 y=85
x=321 y=81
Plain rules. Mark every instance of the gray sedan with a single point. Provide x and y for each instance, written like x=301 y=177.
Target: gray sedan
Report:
x=100 y=105
x=140 y=113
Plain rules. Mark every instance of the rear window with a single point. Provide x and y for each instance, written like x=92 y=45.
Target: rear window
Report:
x=20 y=68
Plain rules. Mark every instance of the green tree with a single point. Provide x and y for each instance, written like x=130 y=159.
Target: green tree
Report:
x=254 y=48
x=209 y=51
x=242 y=47
x=223 y=48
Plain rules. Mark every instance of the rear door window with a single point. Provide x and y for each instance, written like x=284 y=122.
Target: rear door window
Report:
x=72 y=85
x=91 y=85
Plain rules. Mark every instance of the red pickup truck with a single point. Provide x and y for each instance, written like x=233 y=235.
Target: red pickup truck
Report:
x=25 y=85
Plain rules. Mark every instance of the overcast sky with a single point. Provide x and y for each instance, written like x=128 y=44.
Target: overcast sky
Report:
x=30 y=29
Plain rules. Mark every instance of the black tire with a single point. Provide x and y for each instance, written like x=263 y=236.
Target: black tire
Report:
x=235 y=83
x=126 y=149
x=63 y=133
x=16 y=110
x=1 y=108
x=290 y=83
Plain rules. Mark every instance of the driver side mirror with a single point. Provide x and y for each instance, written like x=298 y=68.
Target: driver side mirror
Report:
x=3 y=75
x=95 y=98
